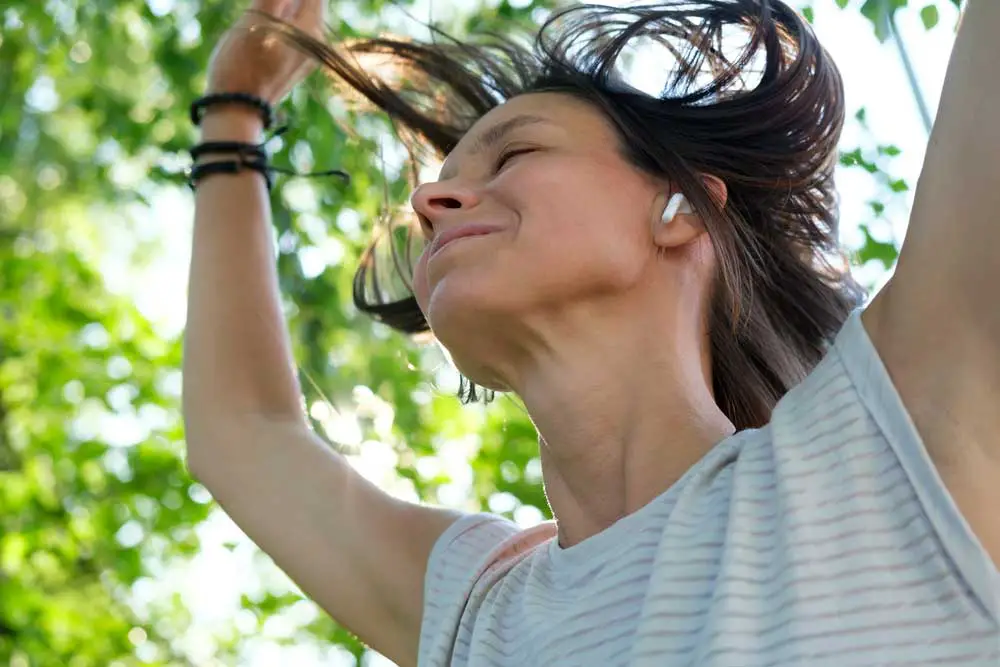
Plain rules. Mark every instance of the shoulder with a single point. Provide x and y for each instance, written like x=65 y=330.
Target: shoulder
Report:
x=833 y=389
x=897 y=393
x=471 y=556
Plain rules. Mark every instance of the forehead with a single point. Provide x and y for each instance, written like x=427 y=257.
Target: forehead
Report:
x=560 y=115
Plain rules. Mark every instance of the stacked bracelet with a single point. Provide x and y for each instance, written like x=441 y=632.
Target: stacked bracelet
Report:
x=199 y=171
x=242 y=149
x=200 y=105
x=247 y=156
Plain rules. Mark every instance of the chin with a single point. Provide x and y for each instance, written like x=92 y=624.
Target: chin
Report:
x=483 y=379
x=474 y=365
x=466 y=321
x=460 y=303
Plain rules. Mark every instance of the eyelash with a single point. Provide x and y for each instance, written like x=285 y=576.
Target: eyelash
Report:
x=508 y=155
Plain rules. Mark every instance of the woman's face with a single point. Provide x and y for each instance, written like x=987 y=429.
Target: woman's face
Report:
x=536 y=217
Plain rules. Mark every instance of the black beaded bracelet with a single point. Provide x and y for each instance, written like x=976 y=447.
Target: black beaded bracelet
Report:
x=244 y=150
x=199 y=106
x=199 y=171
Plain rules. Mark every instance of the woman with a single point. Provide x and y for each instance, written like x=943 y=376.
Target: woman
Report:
x=650 y=275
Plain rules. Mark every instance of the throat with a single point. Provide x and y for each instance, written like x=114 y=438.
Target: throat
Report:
x=588 y=497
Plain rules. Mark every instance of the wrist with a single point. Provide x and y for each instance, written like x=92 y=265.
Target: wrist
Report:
x=232 y=123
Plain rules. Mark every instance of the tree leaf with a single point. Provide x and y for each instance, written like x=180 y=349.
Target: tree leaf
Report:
x=880 y=13
x=930 y=17
x=886 y=253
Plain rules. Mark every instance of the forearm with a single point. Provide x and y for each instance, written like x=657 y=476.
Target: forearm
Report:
x=237 y=356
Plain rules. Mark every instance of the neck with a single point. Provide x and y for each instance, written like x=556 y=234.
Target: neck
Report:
x=620 y=419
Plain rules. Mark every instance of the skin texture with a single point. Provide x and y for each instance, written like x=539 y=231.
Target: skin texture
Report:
x=581 y=302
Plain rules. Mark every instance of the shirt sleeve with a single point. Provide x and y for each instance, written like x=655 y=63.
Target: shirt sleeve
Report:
x=458 y=559
x=879 y=396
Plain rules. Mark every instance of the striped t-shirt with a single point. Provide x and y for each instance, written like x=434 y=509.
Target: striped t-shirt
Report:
x=824 y=539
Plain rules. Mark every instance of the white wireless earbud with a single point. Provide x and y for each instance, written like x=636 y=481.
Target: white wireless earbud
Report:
x=678 y=205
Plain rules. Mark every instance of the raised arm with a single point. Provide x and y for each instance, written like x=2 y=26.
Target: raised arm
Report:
x=356 y=551
x=937 y=323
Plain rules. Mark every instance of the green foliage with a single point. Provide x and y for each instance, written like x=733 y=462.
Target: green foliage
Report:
x=881 y=13
x=930 y=16
x=95 y=500
x=94 y=494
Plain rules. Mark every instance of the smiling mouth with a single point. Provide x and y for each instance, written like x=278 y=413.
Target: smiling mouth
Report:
x=457 y=234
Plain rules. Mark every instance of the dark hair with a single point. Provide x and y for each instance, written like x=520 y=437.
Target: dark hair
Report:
x=783 y=285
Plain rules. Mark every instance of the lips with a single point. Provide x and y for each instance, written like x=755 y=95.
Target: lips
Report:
x=459 y=232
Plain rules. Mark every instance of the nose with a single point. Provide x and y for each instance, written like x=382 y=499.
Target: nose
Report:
x=435 y=203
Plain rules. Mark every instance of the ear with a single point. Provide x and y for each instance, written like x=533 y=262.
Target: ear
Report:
x=686 y=225
x=716 y=190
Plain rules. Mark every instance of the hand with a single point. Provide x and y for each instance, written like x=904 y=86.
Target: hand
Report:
x=252 y=58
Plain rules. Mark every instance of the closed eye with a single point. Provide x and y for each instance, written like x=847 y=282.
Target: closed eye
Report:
x=507 y=156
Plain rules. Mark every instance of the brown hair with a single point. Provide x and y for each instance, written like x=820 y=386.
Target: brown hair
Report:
x=783 y=286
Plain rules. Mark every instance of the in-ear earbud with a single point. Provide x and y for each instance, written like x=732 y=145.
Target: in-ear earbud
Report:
x=678 y=205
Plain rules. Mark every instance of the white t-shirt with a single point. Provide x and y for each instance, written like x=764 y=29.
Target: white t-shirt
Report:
x=824 y=539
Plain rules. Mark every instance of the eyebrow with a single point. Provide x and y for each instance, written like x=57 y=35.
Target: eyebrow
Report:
x=496 y=133
x=492 y=136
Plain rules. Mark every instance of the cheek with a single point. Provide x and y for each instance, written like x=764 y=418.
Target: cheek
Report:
x=590 y=259
x=577 y=232
x=588 y=229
